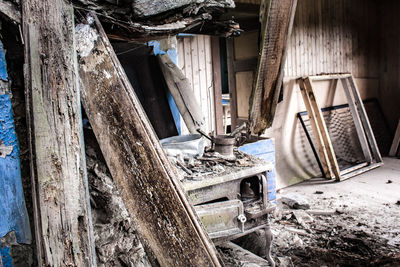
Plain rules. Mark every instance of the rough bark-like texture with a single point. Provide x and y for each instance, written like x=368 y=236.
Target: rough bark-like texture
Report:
x=145 y=8
x=143 y=175
x=277 y=19
x=116 y=240
x=10 y=11
x=145 y=20
x=129 y=10
x=61 y=202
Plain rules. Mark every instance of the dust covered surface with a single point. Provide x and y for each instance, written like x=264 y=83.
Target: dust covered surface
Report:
x=213 y=164
x=348 y=234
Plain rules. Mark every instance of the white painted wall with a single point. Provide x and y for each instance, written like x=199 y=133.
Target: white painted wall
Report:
x=194 y=59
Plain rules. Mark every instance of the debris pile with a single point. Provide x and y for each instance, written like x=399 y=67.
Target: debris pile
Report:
x=329 y=236
x=116 y=241
x=213 y=163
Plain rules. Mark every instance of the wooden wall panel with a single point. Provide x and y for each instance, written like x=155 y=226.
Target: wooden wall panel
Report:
x=389 y=96
x=195 y=61
x=244 y=81
x=331 y=36
x=246 y=46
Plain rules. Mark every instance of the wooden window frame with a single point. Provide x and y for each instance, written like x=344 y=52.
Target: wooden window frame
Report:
x=373 y=158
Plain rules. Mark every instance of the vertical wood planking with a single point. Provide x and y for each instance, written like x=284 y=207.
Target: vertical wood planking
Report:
x=209 y=83
x=195 y=68
x=334 y=36
x=188 y=59
x=195 y=51
x=203 y=79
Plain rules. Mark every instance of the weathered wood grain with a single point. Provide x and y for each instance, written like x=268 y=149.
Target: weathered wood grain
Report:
x=277 y=21
x=63 y=226
x=145 y=178
x=182 y=93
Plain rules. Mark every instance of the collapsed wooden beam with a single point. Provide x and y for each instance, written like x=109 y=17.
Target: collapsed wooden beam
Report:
x=145 y=8
x=129 y=10
x=62 y=217
x=145 y=178
x=182 y=92
x=277 y=20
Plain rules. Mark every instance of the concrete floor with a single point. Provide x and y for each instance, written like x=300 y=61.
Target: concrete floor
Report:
x=370 y=197
x=371 y=187
x=368 y=203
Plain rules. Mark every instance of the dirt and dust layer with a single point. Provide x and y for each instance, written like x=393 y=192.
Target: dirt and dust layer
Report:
x=331 y=233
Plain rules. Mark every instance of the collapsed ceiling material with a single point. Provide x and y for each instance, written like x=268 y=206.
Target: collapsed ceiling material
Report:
x=142 y=19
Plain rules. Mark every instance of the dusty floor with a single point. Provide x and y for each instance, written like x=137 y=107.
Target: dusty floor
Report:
x=361 y=226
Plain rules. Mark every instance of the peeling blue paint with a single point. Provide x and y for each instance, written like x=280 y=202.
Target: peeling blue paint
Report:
x=172 y=105
x=5 y=255
x=3 y=65
x=13 y=213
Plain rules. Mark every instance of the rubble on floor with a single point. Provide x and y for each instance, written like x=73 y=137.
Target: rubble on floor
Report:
x=330 y=234
x=116 y=241
x=334 y=234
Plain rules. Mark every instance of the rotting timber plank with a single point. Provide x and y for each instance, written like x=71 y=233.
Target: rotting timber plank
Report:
x=277 y=20
x=63 y=227
x=144 y=176
x=182 y=92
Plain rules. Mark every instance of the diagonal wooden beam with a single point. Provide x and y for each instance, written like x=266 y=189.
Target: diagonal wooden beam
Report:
x=147 y=182
x=317 y=132
x=276 y=25
x=322 y=126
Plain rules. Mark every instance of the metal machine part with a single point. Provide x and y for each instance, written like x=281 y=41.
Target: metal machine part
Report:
x=223 y=144
x=222 y=218
x=233 y=204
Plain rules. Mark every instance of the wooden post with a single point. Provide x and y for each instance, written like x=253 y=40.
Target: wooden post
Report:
x=216 y=66
x=276 y=25
x=63 y=227
x=143 y=174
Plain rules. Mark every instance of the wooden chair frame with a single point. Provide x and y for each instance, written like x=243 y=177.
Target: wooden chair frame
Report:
x=366 y=137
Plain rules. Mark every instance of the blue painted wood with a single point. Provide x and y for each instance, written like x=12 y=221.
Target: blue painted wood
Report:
x=264 y=149
x=172 y=105
x=5 y=255
x=3 y=64
x=13 y=214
